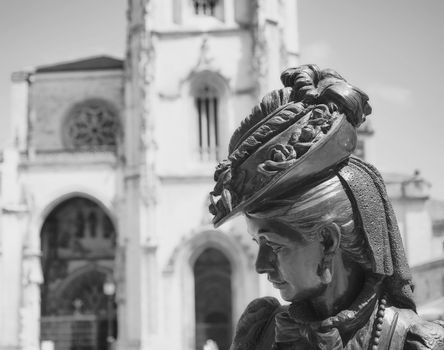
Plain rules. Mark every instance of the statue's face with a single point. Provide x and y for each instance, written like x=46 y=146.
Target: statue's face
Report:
x=291 y=265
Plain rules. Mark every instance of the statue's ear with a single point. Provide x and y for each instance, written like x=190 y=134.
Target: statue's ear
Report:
x=330 y=238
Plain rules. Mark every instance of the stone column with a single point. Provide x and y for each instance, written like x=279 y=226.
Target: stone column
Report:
x=138 y=328
x=11 y=279
x=32 y=278
x=260 y=59
x=19 y=109
x=13 y=215
x=291 y=35
x=275 y=36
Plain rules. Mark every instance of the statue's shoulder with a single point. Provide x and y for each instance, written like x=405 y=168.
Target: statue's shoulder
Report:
x=416 y=333
x=254 y=322
x=424 y=335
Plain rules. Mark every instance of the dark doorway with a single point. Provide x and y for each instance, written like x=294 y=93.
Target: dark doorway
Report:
x=78 y=310
x=213 y=301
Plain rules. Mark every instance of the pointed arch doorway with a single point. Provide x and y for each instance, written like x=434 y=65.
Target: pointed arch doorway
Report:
x=213 y=298
x=78 y=310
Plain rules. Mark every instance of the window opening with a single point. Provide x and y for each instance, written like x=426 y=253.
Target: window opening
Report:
x=207 y=105
x=108 y=228
x=92 y=222
x=204 y=7
x=79 y=225
x=213 y=301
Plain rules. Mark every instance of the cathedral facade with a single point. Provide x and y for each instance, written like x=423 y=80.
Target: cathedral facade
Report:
x=106 y=237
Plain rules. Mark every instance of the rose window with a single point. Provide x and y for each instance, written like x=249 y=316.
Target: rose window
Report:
x=92 y=124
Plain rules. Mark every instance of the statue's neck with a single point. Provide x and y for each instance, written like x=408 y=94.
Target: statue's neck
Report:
x=347 y=282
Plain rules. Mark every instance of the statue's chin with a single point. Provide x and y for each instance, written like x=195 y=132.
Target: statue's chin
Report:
x=307 y=294
x=286 y=296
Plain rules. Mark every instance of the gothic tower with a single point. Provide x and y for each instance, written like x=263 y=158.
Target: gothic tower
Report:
x=194 y=69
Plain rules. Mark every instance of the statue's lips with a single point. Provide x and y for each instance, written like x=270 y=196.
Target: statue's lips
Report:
x=278 y=284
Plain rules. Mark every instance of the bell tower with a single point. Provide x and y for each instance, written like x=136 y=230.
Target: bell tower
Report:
x=193 y=70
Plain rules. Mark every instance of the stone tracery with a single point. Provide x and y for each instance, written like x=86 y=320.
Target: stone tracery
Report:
x=92 y=124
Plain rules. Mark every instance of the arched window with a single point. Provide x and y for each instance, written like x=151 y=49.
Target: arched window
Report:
x=213 y=299
x=207 y=110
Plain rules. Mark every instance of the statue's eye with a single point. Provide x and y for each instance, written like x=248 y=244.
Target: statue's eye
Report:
x=274 y=247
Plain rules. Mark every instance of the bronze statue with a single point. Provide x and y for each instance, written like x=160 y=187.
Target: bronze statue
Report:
x=327 y=234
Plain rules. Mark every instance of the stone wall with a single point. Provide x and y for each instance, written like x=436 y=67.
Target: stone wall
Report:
x=52 y=96
x=428 y=279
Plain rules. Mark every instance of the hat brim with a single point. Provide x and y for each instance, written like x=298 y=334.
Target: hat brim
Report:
x=322 y=157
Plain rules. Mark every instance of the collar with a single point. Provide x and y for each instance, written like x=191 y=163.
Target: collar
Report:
x=298 y=323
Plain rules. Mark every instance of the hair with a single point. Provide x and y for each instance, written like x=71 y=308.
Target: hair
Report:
x=309 y=211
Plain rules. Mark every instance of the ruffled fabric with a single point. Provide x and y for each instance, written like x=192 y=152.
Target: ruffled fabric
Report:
x=349 y=329
x=425 y=336
x=253 y=322
x=266 y=325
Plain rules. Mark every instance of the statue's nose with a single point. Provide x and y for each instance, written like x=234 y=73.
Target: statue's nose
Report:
x=265 y=261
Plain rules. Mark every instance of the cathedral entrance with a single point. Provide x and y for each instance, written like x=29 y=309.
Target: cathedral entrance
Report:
x=213 y=300
x=78 y=310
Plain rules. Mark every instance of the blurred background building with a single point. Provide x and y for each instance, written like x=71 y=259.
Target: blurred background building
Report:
x=105 y=238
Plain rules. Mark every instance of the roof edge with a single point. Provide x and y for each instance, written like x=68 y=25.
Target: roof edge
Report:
x=92 y=63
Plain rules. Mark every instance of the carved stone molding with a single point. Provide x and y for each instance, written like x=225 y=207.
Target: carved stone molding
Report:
x=208 y=236
x=68 y=158
x=29 y=312
x=260 y=59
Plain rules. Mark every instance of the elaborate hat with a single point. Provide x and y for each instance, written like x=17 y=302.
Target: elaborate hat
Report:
x=296 y=135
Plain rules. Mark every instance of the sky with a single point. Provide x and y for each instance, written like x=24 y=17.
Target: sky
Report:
x=394 y=51
x=40 y=32
x=391 y=49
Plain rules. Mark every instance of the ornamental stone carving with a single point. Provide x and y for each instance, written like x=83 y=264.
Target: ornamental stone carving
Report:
x=92 y=124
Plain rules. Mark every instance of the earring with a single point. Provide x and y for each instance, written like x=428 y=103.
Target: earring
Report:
x=324 y=270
